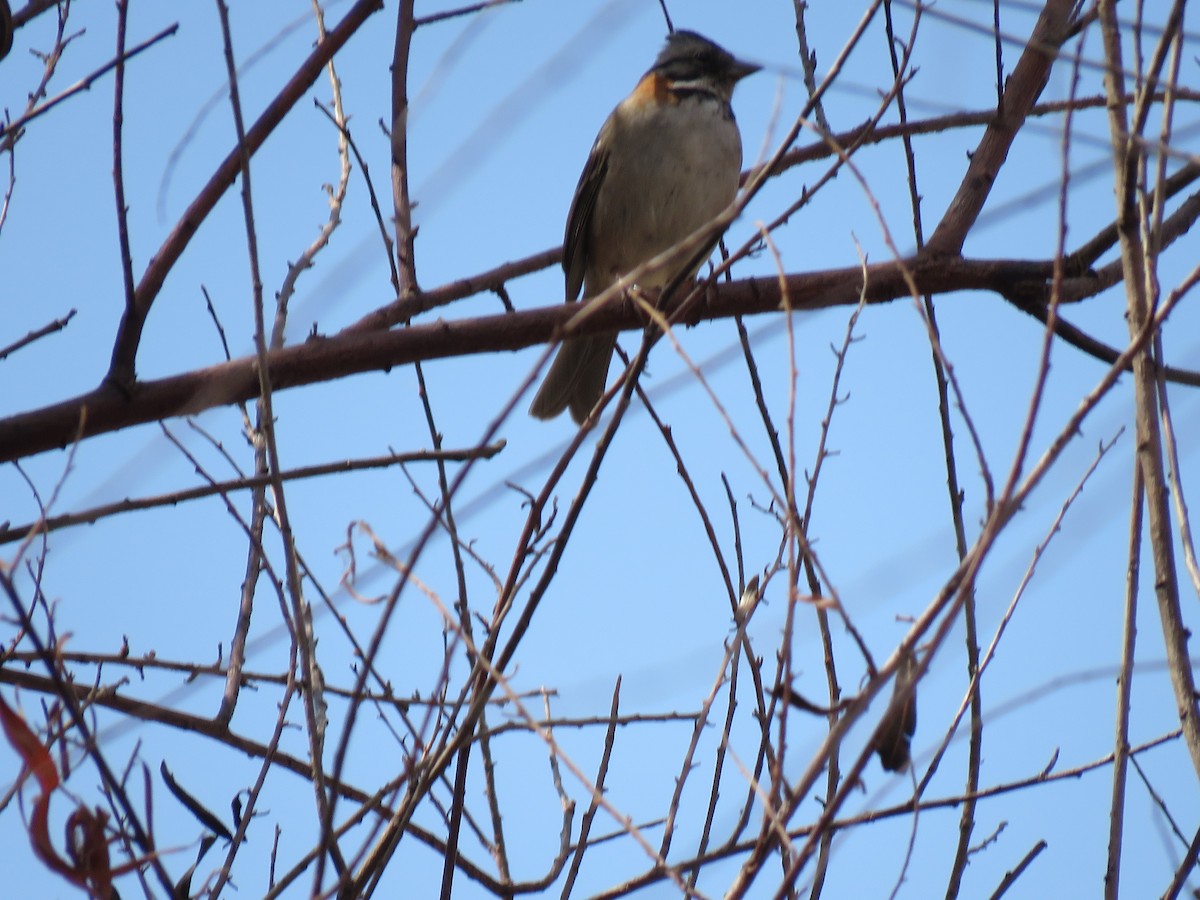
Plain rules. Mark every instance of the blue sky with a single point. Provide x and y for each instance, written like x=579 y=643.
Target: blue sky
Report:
x=638 y=594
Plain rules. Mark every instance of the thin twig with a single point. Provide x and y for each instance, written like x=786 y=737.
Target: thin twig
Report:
x=118 y=158
x=125 y=346
x=11 y=533
x=64 y=693
x=8 y=129
x=1011 y=877
x=50 y=328
x=1116 y=813
x=585 y=824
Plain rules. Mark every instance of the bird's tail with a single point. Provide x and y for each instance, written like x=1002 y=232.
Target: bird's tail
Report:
x=576 y=377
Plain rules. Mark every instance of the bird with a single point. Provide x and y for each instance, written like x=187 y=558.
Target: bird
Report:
x=666 y=161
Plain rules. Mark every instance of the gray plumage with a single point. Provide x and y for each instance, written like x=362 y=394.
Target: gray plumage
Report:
x=666 y=161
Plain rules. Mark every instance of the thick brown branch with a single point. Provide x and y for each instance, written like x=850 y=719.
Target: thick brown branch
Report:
x=108 y=409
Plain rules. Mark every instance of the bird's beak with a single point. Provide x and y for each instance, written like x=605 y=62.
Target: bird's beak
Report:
x=742 y=69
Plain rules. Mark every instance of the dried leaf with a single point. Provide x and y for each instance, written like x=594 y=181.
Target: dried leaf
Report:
x=893 y=737
x=197 y=809
x=183 y=887
x=88 y=846
x=748 y=601
x=43 y=848
x=36 y=757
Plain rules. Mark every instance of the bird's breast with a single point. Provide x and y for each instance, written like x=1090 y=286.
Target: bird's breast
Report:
x=671 y=169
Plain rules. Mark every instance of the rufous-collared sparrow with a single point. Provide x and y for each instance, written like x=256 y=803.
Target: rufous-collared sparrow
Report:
x=665 y=163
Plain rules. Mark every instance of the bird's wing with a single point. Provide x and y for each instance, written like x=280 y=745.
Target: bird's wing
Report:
x=575 y=242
